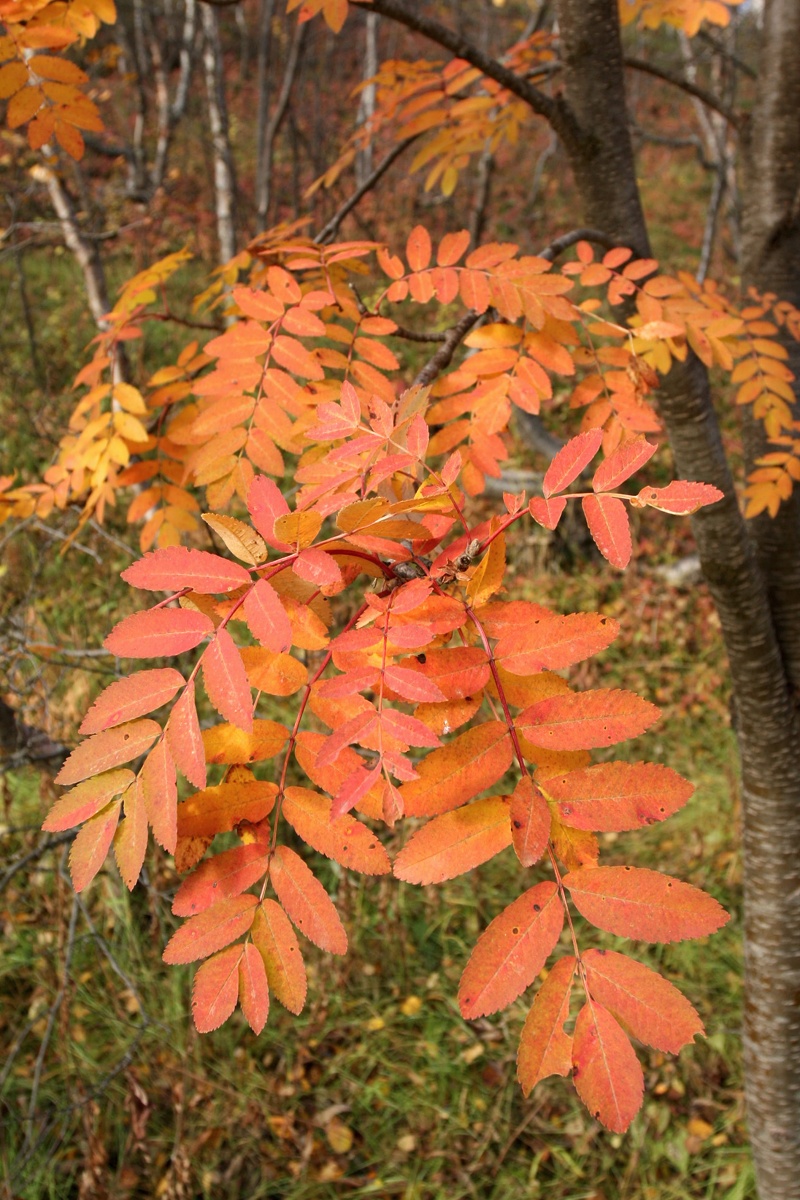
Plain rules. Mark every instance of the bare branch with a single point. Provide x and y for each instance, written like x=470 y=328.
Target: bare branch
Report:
x=711 y=101
x=563 y=243
x=329 y=231
x=444 y=355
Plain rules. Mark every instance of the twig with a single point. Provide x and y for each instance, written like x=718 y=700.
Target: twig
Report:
x=563 y=243
x=711 y=101
x=330 y=230
x=40 y=527
x=36 y=852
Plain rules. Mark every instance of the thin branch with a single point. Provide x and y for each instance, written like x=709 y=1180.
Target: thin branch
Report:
x=444 y=355
x=711 y=101
x=553 y=109
x=734 y=59
x=329 y=231
x=36 y=852
x=563 y=243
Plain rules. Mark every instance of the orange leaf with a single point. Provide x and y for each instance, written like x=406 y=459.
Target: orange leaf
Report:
x=88 y=851
x=418 y=248
x=530 y=822
x=623 y=463
x=275 y=674
x=607 y=519
x=209 y=931
x=226 y=681
x=185 y=739
x=216 y=989
x=511 y=951
x=678 y=497
x=253 y=988
x=160 y=794
x=583 y=720
x=277 y=944
x=87 y=799
x=455 y=842
x=218 y=809
x=306 y=902
x=638 y=903
x=451 y=248
x=108 y=749
x=176 y=567
x=227 y=874
x=570 y=461
x=612 y=797
x=448 y=777
x=130 y=839
x=266 y=617
x=158 y=633
x=132 y=697
x=606 y=1071
x=554 y=642
x=456 y=672
x=344 y=839
x=654 y=1011
x=229 y=744
x=544 y=1048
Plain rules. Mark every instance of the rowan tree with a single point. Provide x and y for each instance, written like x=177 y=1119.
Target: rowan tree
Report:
x=301 y=382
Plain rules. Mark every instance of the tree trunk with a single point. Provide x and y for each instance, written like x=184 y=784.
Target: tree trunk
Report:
x=224 y=180
x=766 y=717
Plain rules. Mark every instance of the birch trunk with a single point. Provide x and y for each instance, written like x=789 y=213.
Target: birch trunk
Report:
x=224 y=179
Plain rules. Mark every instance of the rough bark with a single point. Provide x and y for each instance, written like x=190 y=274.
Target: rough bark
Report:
x=766 y=718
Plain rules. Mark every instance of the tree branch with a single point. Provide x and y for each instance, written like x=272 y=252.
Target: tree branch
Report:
x=330 y=230
x=444 y=355
x=563 y=243
x=710 y=100
x=553 y=109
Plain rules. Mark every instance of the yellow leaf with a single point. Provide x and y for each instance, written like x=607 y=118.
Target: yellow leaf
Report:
x=298 y=528
x=488 y=576
x=240 y=538
x=411 y=1006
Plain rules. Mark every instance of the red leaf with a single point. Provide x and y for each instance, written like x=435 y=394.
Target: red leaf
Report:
x=607 y=519
x=306 y=902
x=227 y=874
x=226 y=681
x=108 y=749
x=253 y=988
x=623 y=463
x=317 y=567
x=265 y=503
x=176 y=567
x=277 y=944
x=218 y=926
x=612 y=797
x=348 y=684
x=472 y=762
x=216 y=989
x=570 y=461
x=355 y=787
x=88 y=851
x=511 y=951
x=455 y=842
x=530 y=822
x=583 y=720
x=130 y=839
x=158 y=633
x=344 y=839
x=544 y=1048
x=655 y=1012
x=186 y=740
x=606 y=1071
x=678 y=497
x=266 y=617
x=351 y=731
x=550 y=643
x=132 y=697
x=638 y=903
x=407 y=729
x=87 y=799
x=413 y=686
x=160 y=794
x=547 y=512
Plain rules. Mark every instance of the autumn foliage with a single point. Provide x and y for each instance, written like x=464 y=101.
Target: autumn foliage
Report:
x=416 y=690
